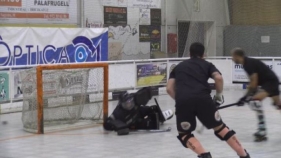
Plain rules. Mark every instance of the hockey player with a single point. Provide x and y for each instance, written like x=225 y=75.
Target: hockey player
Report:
x=188 y=86
x=132 y=113
x=259 y=75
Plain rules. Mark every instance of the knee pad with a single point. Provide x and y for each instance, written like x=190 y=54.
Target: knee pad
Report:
x=255 y=105
x=184 y=142
x=228 y=135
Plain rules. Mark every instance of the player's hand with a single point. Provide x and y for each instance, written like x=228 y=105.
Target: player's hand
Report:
x=218 y=100
x=244 y=100
x=240 y=103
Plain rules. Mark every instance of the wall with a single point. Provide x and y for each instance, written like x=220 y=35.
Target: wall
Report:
x=131 y=48
x=255 y=40
x=25 y=13
x=169 y=20
x=172 y=10
x=255 y=12
x=255 y=27
x=210 y=10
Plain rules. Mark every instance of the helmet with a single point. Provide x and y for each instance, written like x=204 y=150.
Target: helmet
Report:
x=127 y=101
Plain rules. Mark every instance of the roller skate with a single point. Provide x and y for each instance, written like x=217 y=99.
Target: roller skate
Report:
x=205 y=155
x=248 y=156
x=260 y=136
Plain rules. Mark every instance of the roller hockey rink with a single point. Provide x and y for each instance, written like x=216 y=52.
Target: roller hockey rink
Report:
x=94 y=142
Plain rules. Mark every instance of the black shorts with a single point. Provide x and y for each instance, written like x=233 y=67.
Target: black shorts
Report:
x=272 y=88
x=203 y=108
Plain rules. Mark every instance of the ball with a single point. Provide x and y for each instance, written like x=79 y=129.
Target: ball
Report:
x=4 y=122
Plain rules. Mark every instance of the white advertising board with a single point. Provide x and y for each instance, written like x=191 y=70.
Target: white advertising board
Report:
x=239 y=75
x=39 y=11
x=277 y=68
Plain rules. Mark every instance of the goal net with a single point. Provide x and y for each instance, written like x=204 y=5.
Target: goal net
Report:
x=57 y=97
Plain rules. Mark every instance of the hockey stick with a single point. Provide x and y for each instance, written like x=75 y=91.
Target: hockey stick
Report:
x=153 y=130
x=227 y=106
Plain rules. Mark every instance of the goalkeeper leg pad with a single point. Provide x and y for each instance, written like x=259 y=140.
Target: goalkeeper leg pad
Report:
x=185 y=140
x=142 y=96
x=228 y=135
x=151 y=122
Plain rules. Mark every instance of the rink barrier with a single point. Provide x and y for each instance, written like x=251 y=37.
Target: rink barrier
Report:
x=123 y=75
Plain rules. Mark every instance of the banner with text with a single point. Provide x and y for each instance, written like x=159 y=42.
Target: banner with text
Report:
x=31 y=46
x=39 y=11
x=239 y=74
x=115 y=15
x=133 y=3
x=118 y=3
x=144 y=3
x=151 y=74
x=155 y=16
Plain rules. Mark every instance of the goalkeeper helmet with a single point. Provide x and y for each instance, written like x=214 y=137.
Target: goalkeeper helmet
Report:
x=127 y=101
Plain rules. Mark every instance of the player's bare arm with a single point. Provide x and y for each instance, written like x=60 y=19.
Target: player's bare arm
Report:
x=218 y=82
x=218 y=98
x=253 y=82
x=171 y=87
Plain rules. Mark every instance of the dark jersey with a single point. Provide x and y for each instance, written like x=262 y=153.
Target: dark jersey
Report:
x=265 y=74
x=192 y=78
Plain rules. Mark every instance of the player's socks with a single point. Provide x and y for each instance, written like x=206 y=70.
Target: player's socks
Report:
x=168 y=114
x=260 y=135
x=205 y=155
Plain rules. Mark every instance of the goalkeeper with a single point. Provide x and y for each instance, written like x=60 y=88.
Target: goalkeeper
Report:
x=132 y=113
x=259 y=75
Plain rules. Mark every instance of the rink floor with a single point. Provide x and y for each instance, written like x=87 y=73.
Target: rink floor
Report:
x=95 y=143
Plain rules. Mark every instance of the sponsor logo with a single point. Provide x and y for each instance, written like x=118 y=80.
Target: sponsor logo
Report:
x=185 y=126
x=81 y=50
x=11 y=3
x=238 y=66
x=51 y=3
x=70 y=80
x=217 y=116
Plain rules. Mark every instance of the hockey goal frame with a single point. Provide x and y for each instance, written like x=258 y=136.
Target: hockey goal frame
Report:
x=39 y=79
